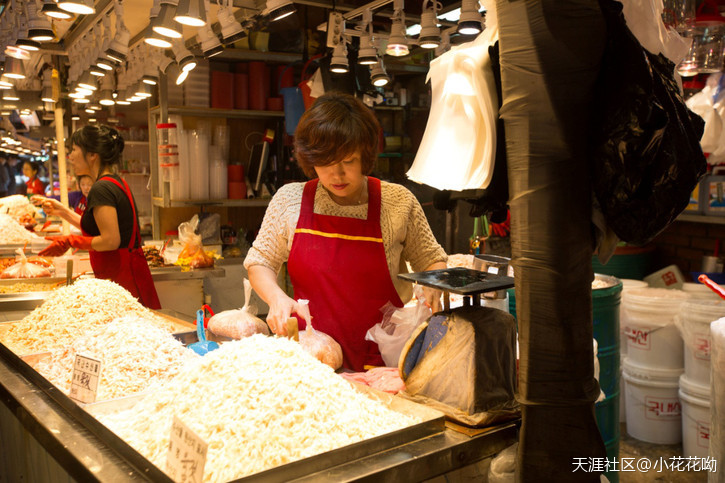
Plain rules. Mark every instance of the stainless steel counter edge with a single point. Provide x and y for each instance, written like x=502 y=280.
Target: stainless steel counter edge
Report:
x=72 y=442
x=163 y=274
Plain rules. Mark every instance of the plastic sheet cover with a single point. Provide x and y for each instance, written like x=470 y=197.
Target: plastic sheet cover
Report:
x=458 y=148
x=470 y=372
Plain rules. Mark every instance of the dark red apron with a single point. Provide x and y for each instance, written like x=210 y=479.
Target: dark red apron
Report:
x=126 y=266
x=339 y=265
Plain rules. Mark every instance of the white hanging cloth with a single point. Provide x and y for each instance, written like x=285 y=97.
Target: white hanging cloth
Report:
x=458 y=148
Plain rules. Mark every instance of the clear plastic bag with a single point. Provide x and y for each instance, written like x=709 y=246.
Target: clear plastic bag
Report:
x=192 y=253
x=239 y=323
x=395 y=329
x=25 y=268
x=321 y=346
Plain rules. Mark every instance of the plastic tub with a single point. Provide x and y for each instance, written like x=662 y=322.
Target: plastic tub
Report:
x=652 y=337
x=699 y=291
x=717 y=398
x=695 y=400
x=694 y=324
x=654 y=413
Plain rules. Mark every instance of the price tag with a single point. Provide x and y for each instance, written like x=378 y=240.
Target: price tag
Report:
x=187 y=454
x=84 y=382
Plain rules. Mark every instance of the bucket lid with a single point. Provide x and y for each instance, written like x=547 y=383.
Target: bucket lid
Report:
x=703 y=310
x=628 y=283
x=694 y=389
x=654 y=300
x=640 y=371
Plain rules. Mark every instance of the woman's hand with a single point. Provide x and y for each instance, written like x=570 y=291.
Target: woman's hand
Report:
x=50 y=206
x=432 y=299
x=281 y=308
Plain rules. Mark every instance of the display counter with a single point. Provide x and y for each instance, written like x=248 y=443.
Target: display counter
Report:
x=47 y=437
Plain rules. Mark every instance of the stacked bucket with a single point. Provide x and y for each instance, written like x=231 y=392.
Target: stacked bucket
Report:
x=694 y=322
x=653 y=365
x=717 y=419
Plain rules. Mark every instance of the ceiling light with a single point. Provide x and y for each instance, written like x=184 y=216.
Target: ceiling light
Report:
x=10 y=95
x=279 y=9
x=39 y=28
x=83 y=91
x=368 y=54
x=50 y=8
x=231 y=30
x=378 y=76
x=87 y=81
x=81 y=100
x=184 y=58
x=78 y=95
x=183 y=74
x=397 y=43
x=143 y=90
x=118 y=49
x=122 y=98
x=75 y=117
x=95 y=106
x=210 y=44
x=107 y=97
x=430 y=34
x=104 y=64
x=27 y=44
x=97 y=71
x=90 y=111
x=46 y=94
x=5 y=82
x=5 y=86
x=339 y=64
x=470 y=21
x=81 y=7
x=191 y=12
x=165 y=24
x=14 y=68
x=156 y=39
x=16 y=52
x=92 y=119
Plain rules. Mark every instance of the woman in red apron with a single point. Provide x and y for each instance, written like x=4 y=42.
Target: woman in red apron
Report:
x=109 y=225
x=33 y=186
x=341 y=264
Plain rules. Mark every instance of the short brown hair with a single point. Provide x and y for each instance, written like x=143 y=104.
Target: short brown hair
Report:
x=335 y=127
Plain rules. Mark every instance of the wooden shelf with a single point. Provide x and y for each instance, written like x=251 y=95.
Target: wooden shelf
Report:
x=245 y=55
x=135 y=143
x=696 y=218
x=249 y=203
x=227 y=113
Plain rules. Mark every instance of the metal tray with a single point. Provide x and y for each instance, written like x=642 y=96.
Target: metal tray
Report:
x=460 y=280
x=432 y=422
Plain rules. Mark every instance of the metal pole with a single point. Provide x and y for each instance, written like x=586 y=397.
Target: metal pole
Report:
x=60 y=137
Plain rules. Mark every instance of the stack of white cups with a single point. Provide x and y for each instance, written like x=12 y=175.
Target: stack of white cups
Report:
x=653 y=365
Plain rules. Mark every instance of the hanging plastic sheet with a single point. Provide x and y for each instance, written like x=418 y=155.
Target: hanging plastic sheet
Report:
x=458 y=149
x=709 y=104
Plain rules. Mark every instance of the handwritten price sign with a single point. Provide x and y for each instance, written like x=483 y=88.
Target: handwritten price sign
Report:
x=187 y=454
x=85 y=378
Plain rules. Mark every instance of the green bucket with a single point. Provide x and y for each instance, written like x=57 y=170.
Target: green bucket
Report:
x=627 y=262
x=612 y=454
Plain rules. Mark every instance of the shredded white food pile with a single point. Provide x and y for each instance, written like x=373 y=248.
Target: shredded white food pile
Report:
x=259 y=403
x=26 y=287
x=135 y=354
x=460 y=260
x=12 y=232
x=597 y=283
x=17 y=206
x=72 y=311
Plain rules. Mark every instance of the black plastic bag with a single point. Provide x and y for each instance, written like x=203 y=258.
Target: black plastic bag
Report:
x=646 y=151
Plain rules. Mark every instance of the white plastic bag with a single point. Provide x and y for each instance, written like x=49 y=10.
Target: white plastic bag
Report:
x=395 y=329
x=239 y=323
x=709 y=104
x=193 y=254
x=644 y=19
x=458 y=149
x=25 y=269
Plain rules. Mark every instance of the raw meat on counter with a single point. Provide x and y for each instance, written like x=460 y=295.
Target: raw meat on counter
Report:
x=381 y=378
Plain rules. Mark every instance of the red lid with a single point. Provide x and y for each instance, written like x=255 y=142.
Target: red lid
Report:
x=167 y=125
x=172 y=233
x=693 y=84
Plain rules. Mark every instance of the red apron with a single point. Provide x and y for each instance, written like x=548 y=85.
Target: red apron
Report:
x=126 y=266
x=81 y=206
x=339 y=265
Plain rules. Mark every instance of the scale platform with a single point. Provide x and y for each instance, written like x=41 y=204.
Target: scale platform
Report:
x=459 y=280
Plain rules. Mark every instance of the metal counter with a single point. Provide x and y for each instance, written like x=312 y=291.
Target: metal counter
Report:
x=72 y=445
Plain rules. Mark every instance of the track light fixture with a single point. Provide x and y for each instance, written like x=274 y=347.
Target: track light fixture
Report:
x=183 y=74
x=191 y=12
x=231 y=29
x=81 y=7
x=469 y=22
x=186 y=59
x=430 y=34
x=151 y=37
x=39 y=28
x=87 y=81
x=368 y=54
x=279 y=9
x=118 y=48
x=50 y=8
x=14 y=68
x=397 y=42
x=378 y=76
x=46 y=95
x=165 y=24
x=10 y=95
x=339 y=64
x=210 y=44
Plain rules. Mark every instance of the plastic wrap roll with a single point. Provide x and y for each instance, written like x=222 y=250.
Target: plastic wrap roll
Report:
x=217 y=174
x=199 y=165
x=717 y=401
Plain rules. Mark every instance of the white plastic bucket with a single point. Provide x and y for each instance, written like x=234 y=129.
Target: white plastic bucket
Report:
x=622 y=392
x=695 y=400
x=652 y=337
x=627 y=285
x=653 y=406
x=699 y=291
x=717 y=398
x=694 y=325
